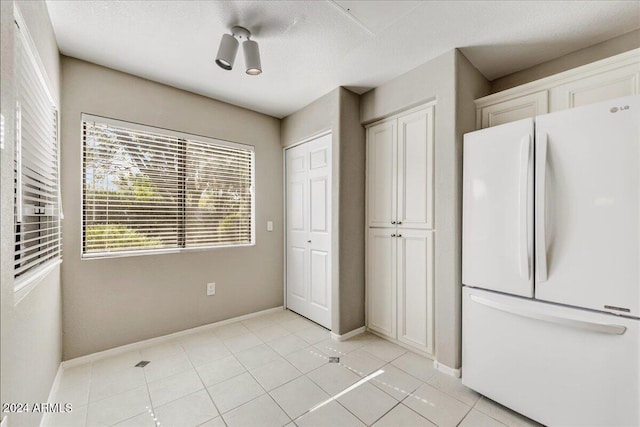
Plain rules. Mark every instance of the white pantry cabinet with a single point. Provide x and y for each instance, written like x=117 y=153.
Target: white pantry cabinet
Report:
x=400 y=228
x=602 y=80
x=400 y=285
x=400 y=171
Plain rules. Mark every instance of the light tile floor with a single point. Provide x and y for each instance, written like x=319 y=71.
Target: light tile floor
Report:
x=272 y=370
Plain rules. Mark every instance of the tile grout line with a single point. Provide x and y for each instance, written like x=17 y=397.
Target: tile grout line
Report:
x=465 y=416
x=265 y=390
x=86 y=416
x=202 y=382
x=491 y=416
x=151 y=409
x=383 y=415
x=312 y=347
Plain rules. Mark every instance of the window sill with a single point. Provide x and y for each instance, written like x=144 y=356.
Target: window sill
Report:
x=125 y=254
x=24 y=285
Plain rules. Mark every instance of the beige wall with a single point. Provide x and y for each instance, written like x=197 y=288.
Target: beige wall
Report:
x=352 y=208
x=31 y=338
x=436 y=80
x=338 y=111
x=111 y=302
x=470 y=85
x=575 y=59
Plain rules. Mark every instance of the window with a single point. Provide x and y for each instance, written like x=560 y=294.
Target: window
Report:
x=151 y=190
x=36 y=191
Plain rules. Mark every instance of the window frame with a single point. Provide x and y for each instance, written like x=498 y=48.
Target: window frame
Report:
x=24 y=45
x=87 y=117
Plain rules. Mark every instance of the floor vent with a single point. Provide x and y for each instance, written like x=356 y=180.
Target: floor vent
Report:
x=334 y=360
x=142 y=364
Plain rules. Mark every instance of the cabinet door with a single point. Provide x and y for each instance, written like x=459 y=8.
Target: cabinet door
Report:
x=518 y=108
x=415 y=170
x=415 y=288
x=381 y=281
x=623 y=81
x=382 y=174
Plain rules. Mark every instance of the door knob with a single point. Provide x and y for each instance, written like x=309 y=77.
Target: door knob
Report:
x=308 y=241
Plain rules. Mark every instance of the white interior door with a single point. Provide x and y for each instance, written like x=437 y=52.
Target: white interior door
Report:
x=588 y=206
x=308 y=246
x=497 y=213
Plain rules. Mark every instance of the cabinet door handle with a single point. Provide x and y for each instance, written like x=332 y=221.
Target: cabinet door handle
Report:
x=399 y=222
x=308 y=241
x=393 y=222
x=393 y=235
x=399 y=235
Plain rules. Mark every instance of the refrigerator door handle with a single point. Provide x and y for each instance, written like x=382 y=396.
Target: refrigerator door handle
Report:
x=540 y=227
x=564 y=321
x=525 y=149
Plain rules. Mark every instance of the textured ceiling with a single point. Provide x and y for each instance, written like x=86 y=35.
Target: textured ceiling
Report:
x=310 y=47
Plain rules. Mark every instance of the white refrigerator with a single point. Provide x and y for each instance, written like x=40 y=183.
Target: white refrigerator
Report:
x=551 y=265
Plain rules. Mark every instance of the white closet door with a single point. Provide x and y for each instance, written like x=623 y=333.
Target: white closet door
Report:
x=308 y=193
x=381 y=281
x=297 y=229
x=415 y=288
x=415 y=170
x=319 y=184
x=382 y=174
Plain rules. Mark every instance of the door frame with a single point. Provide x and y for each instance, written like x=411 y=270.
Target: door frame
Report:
x=334 y=243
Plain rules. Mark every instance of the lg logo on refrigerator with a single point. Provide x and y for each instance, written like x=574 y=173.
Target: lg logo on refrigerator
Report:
x=616 y=109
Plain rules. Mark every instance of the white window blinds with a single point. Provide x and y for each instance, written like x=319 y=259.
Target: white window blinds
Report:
x=153 y=190
x=37 y=202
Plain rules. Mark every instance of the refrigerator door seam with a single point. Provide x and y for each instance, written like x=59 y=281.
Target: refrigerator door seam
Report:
x=525 y=149
x=540 y=226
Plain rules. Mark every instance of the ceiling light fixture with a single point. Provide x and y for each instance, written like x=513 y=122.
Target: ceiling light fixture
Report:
x=229 y=48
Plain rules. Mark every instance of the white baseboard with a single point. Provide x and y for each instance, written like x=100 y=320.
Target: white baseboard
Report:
x=159 y=340
x=401 y=344
x=348 y=335
x=454 y=372
x=52 y=393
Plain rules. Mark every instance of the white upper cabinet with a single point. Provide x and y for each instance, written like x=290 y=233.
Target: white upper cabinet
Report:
x=599 y=81
x=400 y=171
x=415 y=170
x=599 y=87
x=522 y=107
x=382 y=154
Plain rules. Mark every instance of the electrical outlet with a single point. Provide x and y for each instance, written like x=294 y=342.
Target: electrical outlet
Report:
x=269 y=225
x=211 y=288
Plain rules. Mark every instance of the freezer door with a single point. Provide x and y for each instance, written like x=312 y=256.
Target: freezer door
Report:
x=497 y=216
x=560 y=366
x=587 y=206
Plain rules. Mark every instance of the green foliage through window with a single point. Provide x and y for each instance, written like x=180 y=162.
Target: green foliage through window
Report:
x=145 y=190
